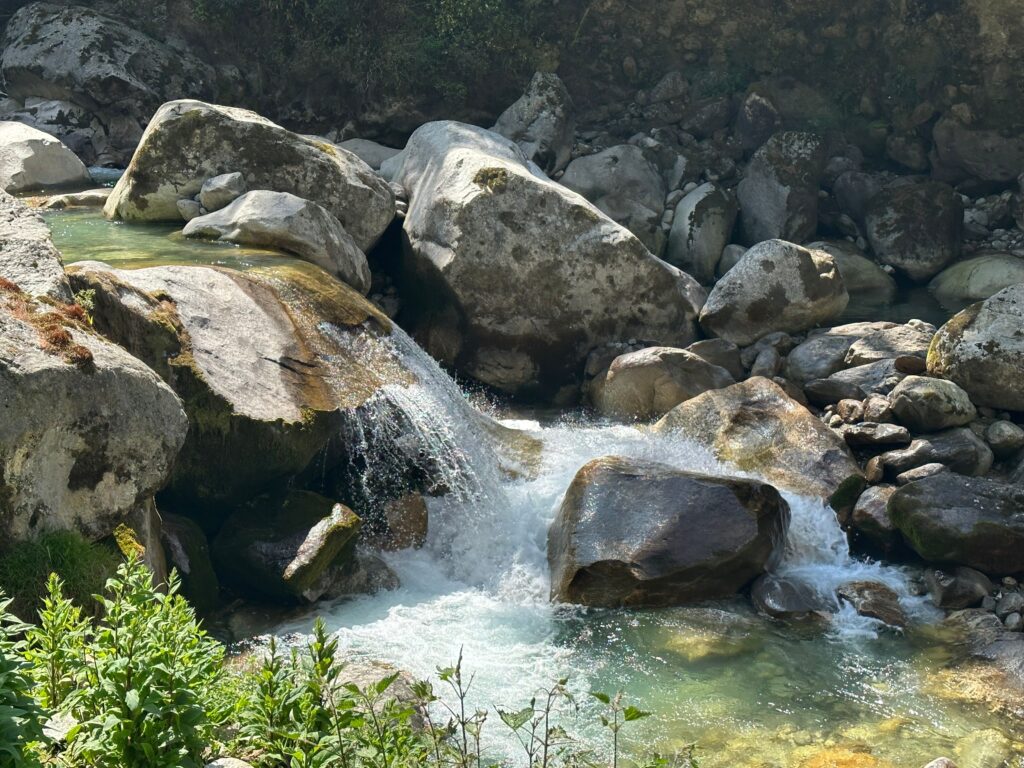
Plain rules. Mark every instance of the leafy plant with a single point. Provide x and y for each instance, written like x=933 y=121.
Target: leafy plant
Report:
x=541 y=738
x=21 y=718
x=144 y=696
x=56 y=648
x=616 y=715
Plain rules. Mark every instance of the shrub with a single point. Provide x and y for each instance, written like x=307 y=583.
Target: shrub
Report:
x=145 y=696
x=21 y=718
x=82 y=566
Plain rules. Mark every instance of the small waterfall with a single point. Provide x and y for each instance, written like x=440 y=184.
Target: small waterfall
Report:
x=489 y=531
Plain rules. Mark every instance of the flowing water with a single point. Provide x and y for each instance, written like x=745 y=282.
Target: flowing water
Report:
x=748 y=691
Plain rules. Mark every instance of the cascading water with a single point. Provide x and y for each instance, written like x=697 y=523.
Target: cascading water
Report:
x=480 y=587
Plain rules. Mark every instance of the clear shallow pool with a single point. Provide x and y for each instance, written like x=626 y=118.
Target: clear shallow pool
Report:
x=748 y=691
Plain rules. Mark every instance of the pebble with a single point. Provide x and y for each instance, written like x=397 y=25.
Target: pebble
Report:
x=919 y=473
x=1014 y=622
x=1009 y=582
x=1010 y=602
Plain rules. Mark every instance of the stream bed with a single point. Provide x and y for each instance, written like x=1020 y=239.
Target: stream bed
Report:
x=750 y=692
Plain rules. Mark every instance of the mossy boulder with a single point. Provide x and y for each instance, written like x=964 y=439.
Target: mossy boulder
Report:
x=757 y=427
x=982 y=350
x=637 y=533
x=282 y=546
x=263 y=382
x=947 y=518
x=188 y=142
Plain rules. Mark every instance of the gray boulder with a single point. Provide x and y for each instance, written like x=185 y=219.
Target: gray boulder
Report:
x=28 y=259
x=915 y=227
x=870 y=520
x=976 y=522
x=221 y=191
x=757 y=427
x=624 y=184
x=526 y=276
x=776 y=286
x=542 y=122
x=635 y=533
x=701 y=229
x=778 y=195
x=289 y=223
x=928 y=405
x=31 y=160
x=650 y=382
x=100 y=63
x=88 y=432
x=854 y=190
x=976 y=279
x=188 y=142
x=958 y=449
x=899 y=341
x=957 y=589
x=982 y=350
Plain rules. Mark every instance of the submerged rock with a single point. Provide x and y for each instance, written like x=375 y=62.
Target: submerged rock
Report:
x=542 y=122
x=775 y=286
x=650 y=382
x=32 y=160
x=957 y=589
x=875 y=601
x=283 y=547
x=520 y=278
x=635 y=533
x=761 y=430
x=789 y=599
x=982 y=350
x=188 y=142
x=977 y=522
x=289 y=223
x=977 y=279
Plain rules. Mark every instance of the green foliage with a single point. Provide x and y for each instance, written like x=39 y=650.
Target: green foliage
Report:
x=143 y=685
x=438 y=45
x=143 y=697
x=82 y=566
x=21 y=718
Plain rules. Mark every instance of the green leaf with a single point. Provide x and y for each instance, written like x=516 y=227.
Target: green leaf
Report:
x=604 y=698
x=632 y=713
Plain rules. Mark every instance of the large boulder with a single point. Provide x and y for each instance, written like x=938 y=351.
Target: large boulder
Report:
x=915 y=227
x=650 y=382
x=283 y=546
x=636 y=533
x=701 y=229
x=927 y=404
x=775 y=286
x=188 y=142
x=979 y=153
x=779 y=193
x=88 y=433
x=32 y=160
x=27 y=256
x=542 y=122
x=288 y=377
x=624 y=184
x=976 y=279
x=977 y=522
x=757 y=427
x=519 y=278
x=289 y=223
x=77 y=128
x=982 y=350
x=77 y=55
